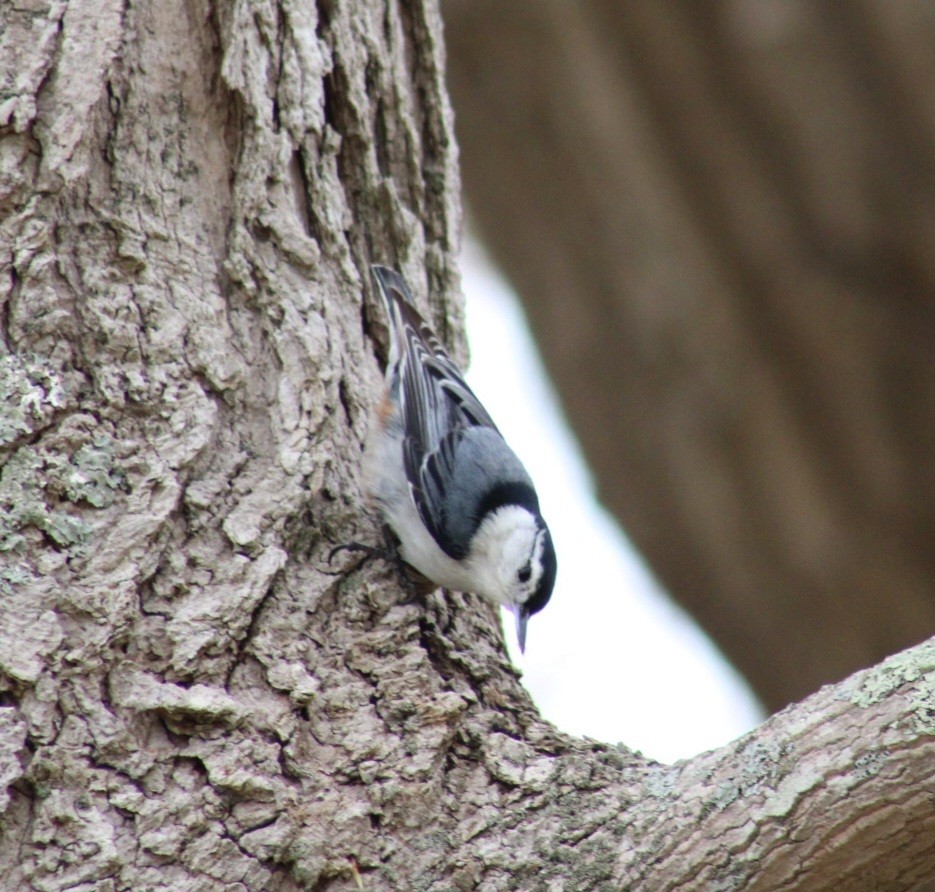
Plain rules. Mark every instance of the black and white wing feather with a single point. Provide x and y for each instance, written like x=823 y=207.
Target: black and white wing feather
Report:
x=447 y=434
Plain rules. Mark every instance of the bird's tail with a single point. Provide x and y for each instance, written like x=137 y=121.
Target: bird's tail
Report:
x=405 y=320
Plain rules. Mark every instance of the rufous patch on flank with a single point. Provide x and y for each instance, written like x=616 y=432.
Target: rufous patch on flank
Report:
x=385 y=408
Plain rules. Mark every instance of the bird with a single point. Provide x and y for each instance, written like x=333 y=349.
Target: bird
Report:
x=456 y=496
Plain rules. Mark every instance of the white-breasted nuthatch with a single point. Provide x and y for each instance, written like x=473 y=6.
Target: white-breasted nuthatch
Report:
x=457 y=497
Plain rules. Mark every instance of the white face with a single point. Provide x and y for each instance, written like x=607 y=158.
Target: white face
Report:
x=507 y=554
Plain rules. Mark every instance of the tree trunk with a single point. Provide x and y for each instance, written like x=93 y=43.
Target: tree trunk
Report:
x=189 y=700
x=721 y=218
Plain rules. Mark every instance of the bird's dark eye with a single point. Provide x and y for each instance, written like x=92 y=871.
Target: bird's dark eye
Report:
x=524 y=574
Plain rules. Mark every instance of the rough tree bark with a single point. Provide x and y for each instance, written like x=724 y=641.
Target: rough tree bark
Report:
x=190 y=199
x=721 y=218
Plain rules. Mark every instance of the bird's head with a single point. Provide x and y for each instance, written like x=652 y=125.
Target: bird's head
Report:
x=514 y=553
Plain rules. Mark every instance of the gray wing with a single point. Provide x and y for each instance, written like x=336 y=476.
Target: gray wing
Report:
x=453 y=453
x=443 y=444
x=454 y=487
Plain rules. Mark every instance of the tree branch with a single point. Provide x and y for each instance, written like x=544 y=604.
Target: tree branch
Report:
x=833 y=793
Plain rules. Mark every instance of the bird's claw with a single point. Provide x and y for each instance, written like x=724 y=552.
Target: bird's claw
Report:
x=413 y=582
x=369 y=551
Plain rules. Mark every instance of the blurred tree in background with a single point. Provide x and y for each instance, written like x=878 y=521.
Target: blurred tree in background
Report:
x=721 y=220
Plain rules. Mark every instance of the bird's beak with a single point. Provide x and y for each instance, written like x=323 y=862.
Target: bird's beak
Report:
x=522 y=615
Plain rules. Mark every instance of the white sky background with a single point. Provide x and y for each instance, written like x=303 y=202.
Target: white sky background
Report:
x=610 y=657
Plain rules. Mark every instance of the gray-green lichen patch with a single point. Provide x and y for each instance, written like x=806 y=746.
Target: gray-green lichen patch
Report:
x=922 y=708
x=31 y=392
x=36 y=486
x=11 y=576
x=915 y=665
x=660 y=781
x=23 y=504
x=35 y=483
x=94 y=476
x=760 y=769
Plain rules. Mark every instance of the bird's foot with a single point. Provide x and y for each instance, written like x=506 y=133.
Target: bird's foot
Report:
x=388 y=554
x=416 y=586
